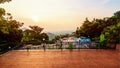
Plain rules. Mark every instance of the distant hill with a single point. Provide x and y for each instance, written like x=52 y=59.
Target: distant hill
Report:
x=51 y=35
x=63 y=32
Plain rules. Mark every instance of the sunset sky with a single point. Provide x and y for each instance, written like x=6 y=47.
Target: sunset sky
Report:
x=59 y=15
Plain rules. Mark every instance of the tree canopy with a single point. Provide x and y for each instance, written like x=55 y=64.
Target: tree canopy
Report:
x=10 y=31
x=94 y=28
x=3 y=1
x=34 y=34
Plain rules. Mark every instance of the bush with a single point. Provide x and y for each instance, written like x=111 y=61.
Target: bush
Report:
x=70 y=46
x=101 y=44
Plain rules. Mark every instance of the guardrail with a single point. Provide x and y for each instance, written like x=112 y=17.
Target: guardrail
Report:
x=9 y=49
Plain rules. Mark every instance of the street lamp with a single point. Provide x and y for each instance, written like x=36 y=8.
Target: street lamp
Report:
x=79 y=43
x=43 y=40
x=44 y=44
x=61 y=43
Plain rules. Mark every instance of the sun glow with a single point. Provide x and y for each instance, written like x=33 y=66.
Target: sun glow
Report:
x=36 y=18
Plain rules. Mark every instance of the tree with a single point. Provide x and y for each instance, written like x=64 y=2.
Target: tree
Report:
x=9 y=29
x=36 y=32
x=117 y=14
x=28 y=35
x=44 y=37
x=3 y=1
x=57 y=38
x=94 y=28
x=77 y=33
x=36 y=29
x=2 y=13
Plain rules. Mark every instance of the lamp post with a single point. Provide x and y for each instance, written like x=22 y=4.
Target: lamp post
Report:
x=44 y=44
x=79 y=44
x=61 y=44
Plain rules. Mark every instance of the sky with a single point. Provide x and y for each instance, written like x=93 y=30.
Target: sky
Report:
x=59 y=15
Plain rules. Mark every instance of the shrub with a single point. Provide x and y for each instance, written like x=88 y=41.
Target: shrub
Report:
x=70 y=46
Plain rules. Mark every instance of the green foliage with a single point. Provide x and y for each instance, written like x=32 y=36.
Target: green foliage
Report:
x=117 y=14
x=2 y=12
x=64 y=35
x=9 y=30
x=102 y=37
x=90 y=29
x=34 y=34
x=3 y=1
x=70 y=46
x=44 y=37
x=58 y=37
x=77 y=33
x=93 y=29
x=118 y=25
x=51 y=41
x=36 y=29
x=101 y=44
x=9 y=27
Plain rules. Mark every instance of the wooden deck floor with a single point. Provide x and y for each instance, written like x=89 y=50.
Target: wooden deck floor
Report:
x=85 y=58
